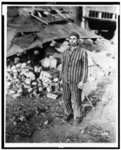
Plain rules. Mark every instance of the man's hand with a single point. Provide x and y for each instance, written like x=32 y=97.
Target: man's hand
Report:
x=80 y=85
x=61 y=82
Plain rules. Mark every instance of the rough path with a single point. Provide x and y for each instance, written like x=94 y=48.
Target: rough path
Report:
x=42 y=120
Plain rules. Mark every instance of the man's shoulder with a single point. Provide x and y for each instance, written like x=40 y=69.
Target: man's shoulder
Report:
x=66 y=49
x=82 y=50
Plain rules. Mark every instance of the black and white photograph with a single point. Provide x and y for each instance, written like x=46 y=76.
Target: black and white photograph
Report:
x=60 y=74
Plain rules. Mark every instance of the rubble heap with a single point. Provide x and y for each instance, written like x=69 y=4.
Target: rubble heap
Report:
x=23 y=79
x=101 y=63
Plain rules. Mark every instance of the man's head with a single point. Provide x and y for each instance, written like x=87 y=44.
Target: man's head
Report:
x=73 y=39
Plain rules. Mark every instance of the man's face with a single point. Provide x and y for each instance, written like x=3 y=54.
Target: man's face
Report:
x=73 y=41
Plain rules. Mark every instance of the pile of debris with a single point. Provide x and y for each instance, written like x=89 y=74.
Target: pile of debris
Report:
x=25 y=79
x=101 y=64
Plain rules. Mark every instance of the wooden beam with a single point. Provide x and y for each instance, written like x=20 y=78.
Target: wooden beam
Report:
x=39 y=19
x=59 y=13
x=90 y=103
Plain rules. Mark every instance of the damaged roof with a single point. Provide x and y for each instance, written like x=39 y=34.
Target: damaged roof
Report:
x=35 y=26
x=62 y=31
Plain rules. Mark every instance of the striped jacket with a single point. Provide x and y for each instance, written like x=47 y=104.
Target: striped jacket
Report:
x=74 y=65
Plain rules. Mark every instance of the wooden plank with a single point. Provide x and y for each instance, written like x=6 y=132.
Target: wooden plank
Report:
x=39 y=19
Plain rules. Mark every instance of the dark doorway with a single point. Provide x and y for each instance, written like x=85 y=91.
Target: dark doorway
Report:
x=105 y=28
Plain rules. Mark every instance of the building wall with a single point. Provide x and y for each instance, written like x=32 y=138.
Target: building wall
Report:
x=101 y=19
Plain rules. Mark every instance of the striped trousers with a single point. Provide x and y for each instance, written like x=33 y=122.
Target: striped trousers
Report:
x=72 y=99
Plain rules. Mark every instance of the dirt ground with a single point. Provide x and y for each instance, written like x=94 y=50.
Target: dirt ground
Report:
x=41 y=119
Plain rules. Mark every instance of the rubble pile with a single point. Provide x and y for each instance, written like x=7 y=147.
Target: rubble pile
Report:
x=23 y=79
x=96 y=132
x=100 y=64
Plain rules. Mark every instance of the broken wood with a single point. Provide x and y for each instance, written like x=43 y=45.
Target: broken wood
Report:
x=90 y=102
x=63 y=16
x=52 y=96
x=39 y=19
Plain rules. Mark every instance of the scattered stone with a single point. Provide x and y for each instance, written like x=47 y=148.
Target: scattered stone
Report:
x=68 y=141
x=23 y=80
x=89 y=141
x=22 y=118
x=52 y=96
x=82 y=131
x=55 y=79
x=46 y=122
x=105 y=134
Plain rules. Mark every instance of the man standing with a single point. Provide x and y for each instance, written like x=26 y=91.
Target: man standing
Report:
x=74 y=75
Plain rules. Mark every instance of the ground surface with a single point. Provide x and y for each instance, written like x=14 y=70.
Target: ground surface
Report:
x=41 y=120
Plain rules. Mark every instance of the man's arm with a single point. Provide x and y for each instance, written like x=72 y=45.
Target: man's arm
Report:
x=84 y=69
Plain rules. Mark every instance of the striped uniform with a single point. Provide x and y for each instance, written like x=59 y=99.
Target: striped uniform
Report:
x=74 y=70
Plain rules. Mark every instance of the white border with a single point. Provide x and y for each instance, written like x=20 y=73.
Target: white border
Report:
x=47 y=145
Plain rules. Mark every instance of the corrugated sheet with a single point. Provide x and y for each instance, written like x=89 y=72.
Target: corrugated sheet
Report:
x=14 y=50
x=24 y=41
x=11 y=32
x=62 y=31
x=37 y=43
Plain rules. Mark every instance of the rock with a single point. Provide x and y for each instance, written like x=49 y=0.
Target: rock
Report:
x=37 y=69
x=52 y=96
x=23 y=65
x=104 y=101
x=91 y=78
x=53 y=62
x=44 y=75
x=45 y=84
x=49 y=89
x=55 y=79
x=105 y=134
x=11 y=92
x=68 y=141
x=89 y=141
x=40 y=89
x=14 y=123
x=34 y=83
x=27 y=86
x=22 y=118
x=40 y=110
x=41 y=124
x=30 y=90
x=59 y=67
x=8 y=84
x=46 y=122
x=82 y=131
x=16 y=95
x=53 y=43
x=45 y=62
x=27 y=81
